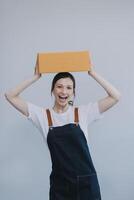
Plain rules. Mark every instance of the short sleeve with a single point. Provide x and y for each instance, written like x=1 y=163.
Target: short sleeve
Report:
x=93 y=112
x=35 y=115
x=90 y=112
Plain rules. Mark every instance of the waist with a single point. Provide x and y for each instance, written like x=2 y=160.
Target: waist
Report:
x=72 y=174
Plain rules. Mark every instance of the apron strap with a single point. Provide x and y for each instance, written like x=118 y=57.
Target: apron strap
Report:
x=50 y=123
x=76 y=116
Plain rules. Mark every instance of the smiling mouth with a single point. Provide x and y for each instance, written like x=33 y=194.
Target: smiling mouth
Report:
x=63 y=98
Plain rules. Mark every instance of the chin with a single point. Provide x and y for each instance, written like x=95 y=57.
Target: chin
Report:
x=63 y=104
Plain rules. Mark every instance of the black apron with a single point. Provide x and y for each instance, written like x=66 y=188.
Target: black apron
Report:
x=73 y=175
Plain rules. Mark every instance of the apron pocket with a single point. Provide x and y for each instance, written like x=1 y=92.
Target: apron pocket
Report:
x=88 y=187
x=60 y=186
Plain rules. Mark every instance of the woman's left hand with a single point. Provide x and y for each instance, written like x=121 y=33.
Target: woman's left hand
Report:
x=90 y=71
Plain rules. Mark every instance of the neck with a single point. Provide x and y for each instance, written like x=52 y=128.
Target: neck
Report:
x=60 y=109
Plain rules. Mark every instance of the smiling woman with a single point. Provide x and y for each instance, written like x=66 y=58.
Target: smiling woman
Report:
x=65 y=129
x=63 y=88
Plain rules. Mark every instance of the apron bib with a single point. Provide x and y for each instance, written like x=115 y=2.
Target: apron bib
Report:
x=73 y=175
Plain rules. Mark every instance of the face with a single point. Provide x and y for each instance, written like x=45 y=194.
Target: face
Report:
x=63 y=91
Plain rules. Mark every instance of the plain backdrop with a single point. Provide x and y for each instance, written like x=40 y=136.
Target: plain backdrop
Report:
x=106 y=29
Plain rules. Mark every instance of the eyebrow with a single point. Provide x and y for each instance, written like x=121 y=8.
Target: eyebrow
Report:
x=67 y=85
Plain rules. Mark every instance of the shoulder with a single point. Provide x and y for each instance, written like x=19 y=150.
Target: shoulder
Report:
x=36 y=111
x=32 y=108
x=89 y=107
x=90 y=111
x=37 y=114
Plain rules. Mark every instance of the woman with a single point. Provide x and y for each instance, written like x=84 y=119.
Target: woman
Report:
x=64 y=127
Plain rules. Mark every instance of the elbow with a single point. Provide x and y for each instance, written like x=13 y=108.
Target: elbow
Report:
x=8 y=96
x=117 y=97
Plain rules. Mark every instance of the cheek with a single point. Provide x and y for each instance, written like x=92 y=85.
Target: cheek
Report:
x=71 y=93
x=55 y=91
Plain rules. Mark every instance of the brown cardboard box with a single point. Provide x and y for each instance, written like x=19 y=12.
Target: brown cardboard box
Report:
x=64 y=61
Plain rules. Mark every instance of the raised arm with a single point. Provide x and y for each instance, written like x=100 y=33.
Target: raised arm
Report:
x=13 y=95
x=113 y=94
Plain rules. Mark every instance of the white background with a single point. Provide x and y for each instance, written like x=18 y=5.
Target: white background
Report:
x=106 y=29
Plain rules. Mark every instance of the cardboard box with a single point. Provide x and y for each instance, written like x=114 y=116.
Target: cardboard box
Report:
x=64 y=61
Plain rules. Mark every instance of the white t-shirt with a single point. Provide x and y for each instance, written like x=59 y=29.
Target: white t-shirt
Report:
x=87 y=114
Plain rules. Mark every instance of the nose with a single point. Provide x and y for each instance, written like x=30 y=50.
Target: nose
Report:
x=63 y=90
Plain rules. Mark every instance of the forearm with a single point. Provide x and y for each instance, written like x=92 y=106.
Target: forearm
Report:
x=22 y=86
x=109 y=88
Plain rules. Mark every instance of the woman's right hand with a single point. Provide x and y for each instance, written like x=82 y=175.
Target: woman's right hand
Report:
x=36 y=70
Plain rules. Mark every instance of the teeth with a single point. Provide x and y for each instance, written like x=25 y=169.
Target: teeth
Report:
x=62 y=97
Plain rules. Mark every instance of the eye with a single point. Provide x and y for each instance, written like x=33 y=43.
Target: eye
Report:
x=58 y=86
x=69 y=88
